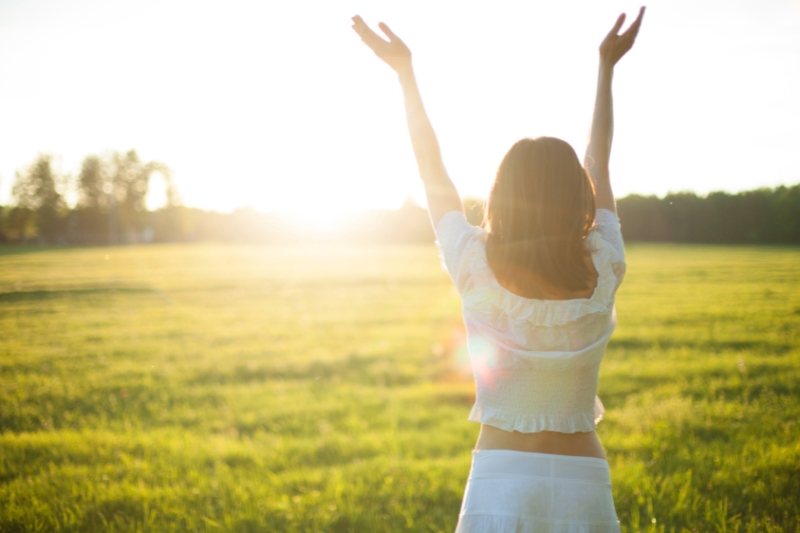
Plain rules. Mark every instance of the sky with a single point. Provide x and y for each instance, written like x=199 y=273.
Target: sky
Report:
x=279 y=106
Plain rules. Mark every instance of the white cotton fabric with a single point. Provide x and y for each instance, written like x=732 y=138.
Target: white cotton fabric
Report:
x=536 y=362
x=528 y=492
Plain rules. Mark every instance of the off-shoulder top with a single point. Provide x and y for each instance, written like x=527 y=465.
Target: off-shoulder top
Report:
x=536 y=362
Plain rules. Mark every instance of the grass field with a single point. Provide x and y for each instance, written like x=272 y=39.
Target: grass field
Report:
x=244 y=388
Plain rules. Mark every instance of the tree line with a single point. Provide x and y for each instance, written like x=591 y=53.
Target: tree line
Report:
x=110 y=193
x=110 y=205
x=761 y=216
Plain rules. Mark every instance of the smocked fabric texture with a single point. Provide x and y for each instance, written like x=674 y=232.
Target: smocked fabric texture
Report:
x=528 y=492
x=536 y=362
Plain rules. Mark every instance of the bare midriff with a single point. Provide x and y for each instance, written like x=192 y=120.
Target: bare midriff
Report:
x=584 y=444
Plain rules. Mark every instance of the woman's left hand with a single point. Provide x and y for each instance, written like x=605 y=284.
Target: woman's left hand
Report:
x=393 y=52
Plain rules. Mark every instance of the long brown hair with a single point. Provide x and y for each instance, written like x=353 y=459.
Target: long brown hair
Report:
x=539 y=212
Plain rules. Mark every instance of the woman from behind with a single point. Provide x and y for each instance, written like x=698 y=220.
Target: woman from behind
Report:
x=537 y=283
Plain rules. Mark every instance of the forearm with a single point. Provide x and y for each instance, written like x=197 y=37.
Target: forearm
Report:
x=598 y=153
x=442 y=194
x=603 y=118
x=423 y=138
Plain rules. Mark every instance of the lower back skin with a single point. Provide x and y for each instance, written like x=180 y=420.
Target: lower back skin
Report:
x=584 y=444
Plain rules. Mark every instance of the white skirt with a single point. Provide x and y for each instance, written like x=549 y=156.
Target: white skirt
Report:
x=524 y=492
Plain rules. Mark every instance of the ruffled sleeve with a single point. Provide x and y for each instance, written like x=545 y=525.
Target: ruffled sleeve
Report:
x=607 y=226
x=454 y=236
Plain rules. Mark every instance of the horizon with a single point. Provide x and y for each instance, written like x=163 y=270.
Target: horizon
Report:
x=248 y=110
x=340 y=216
x=411 y=200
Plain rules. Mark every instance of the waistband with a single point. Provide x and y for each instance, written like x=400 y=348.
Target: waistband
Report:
x=512 y=463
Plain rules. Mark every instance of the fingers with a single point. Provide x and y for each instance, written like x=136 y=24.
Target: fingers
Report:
x=361 y=28
x=389 y=33
x=371 y=38
x=617 y=25
x=638 y=21
x=634 y=29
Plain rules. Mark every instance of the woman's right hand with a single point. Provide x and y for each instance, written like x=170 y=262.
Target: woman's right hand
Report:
x=615 y=46
x=394 y=52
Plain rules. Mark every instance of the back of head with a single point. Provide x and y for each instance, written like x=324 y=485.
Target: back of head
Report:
x=539 y=213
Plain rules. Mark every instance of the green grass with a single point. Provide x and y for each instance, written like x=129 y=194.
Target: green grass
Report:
x=245 y=388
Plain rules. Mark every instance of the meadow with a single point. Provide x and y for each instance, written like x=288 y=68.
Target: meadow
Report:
x=208 y=387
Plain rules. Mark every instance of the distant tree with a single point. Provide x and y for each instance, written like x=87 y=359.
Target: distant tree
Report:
x=91 y=212
x=410 y=223
x=91 y=184
x=786 y=214
x=35 y=193
x=764 y=216
x=642 y=219
x=130 y=180
x=19 y=224
x=111 y=196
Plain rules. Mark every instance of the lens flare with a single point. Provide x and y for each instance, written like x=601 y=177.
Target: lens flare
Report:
x=484 y=358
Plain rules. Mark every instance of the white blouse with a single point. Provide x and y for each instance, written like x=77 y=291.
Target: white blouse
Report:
x=536 y=362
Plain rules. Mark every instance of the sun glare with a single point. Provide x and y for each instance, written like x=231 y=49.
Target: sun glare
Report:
x=157 y=192
x=315 y=220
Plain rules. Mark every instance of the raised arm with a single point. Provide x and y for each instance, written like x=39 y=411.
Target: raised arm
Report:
x=441 y=193
x=598 y=152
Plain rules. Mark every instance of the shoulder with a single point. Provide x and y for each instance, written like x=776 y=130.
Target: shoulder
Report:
x=452 y=221
x=606 y=218
x=606 y=245
x=458 y=242
x=607 y=234
x=453 y=229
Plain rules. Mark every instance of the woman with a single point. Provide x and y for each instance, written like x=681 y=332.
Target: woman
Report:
x=537 y=285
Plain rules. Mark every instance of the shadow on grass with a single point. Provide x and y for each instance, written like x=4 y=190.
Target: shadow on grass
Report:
x=40 y=295
x=24 y=249
x=369 y=369
x=699 y=346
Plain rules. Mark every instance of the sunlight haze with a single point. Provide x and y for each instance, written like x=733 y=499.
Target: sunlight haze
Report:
x=279 y=106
